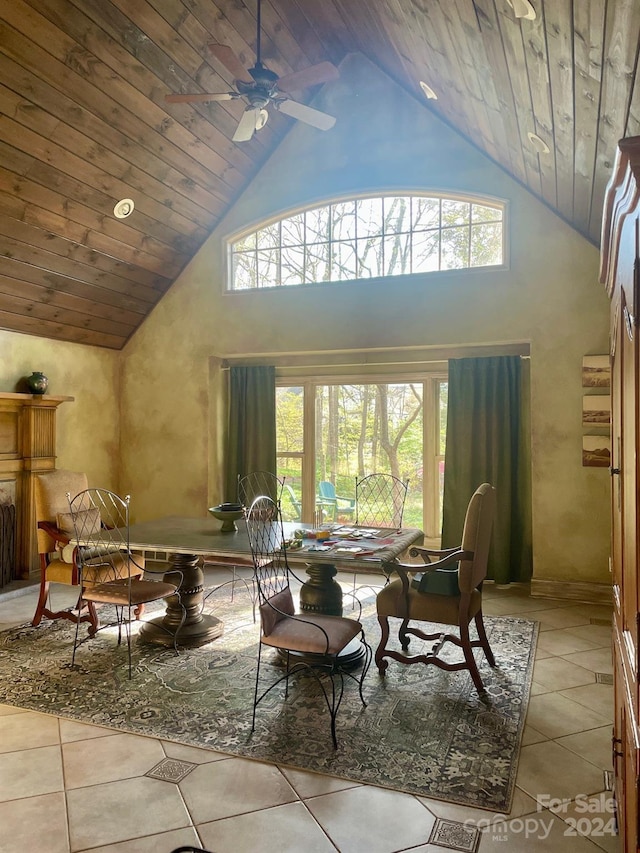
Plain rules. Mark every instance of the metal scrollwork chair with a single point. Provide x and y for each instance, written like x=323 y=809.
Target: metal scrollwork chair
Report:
x=446 y=592
x=250 y=486
x=380 y=500
x=308 y=642
x=109 y=573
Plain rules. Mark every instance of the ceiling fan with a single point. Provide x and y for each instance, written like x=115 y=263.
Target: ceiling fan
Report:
x=259 y=88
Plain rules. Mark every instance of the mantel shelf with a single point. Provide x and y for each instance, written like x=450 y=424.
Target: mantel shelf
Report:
x=30 y=399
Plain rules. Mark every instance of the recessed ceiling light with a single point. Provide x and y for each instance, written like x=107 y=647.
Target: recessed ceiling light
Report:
x=123 y=208
x=428 y=91
x=539 y=144
x=523 y=9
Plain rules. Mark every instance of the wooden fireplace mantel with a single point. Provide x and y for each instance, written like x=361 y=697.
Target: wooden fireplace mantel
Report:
x=27 y=447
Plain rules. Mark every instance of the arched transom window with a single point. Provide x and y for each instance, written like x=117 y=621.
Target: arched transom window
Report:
x=370 y=237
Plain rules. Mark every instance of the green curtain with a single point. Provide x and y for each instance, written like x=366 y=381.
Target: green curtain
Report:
x=251 y=437
x=488 y=440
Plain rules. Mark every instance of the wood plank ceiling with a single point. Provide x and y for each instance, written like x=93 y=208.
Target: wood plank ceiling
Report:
x=83 y=123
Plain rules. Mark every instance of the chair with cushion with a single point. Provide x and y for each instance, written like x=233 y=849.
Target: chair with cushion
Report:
x=58 y=558
x=380 y=501
x=307 y=642
x=447 y=592
x=333 y=505
x=109 y=573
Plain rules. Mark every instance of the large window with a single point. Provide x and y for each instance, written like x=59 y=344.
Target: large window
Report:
x=370 y=237
x=333 y=433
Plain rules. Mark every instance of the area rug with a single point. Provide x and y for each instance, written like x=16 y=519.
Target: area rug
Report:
x=424 y=731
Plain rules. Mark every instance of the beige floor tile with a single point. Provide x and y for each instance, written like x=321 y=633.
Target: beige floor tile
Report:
x=107 y=759
x=530 y=735
x=559 y=673
x=26 y=823
x=542 y=833
x=71 y=730
x=554 y=716
x=562 y=617
x=191 y=753
x=600 y=634
x=597 y=660
x=549 y=770
x=390 y=820
x=225 y=788
x=165 y=842
x=594 y=611
x=537 y=689
x=541 y=653
x=120 y=811
x=25 y=731
x=9 y=709
x=594 y=819
x=30 y=772
x=284 y=829
x=562 y=641
x=307 y=784
x=598 y=697
x=594 y=746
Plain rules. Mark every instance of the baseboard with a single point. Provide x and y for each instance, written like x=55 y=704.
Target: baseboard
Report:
x=592 y=593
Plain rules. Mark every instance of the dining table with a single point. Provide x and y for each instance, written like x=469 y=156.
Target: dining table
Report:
x=188 y=541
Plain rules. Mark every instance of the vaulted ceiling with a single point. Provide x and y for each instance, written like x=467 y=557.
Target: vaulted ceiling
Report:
x=84 y=123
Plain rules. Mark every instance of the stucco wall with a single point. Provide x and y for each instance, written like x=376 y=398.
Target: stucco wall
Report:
x=88 y=429
x=549 y=297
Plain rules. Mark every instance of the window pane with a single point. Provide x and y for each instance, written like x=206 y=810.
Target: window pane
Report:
x=291 y=498
x=369 y=214
x=244 y=271
x=343 y=220
x=482 y=213
x=425 y=254
x=455 y=248
x=268 y=263
x=248 y=242
x=317 y=225
x=425 y=213
x=369 y=257
x=486 y=245
x=343 y=261
x=289 y=415
x=397 y=254
x=292 y=265
x=293 y=230
x=443 y=398
x=269 y=237
x=397 y=214
x=455 y=212
x=318 y=262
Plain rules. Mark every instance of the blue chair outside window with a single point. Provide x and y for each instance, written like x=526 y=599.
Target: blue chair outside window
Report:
x=336 y=506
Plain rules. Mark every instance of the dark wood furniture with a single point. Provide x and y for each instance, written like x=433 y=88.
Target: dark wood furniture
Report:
x=620 y=273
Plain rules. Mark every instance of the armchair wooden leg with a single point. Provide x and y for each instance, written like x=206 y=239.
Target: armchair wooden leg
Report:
x=403 y=636
x=42 y=603
x=482 y=636
x=381 y=663
x=465 y=642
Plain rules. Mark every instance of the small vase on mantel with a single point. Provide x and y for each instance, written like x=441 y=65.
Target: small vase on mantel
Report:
x=37 y=383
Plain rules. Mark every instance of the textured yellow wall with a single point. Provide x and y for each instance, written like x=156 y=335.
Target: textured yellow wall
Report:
x=88 y=429
x=549 y=297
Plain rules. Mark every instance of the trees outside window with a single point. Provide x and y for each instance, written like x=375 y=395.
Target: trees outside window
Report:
x=370 y=237
x=355 y=429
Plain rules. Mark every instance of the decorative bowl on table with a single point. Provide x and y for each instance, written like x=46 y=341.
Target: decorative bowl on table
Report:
x=228 y=514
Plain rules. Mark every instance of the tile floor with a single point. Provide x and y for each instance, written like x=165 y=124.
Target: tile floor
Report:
x=67 y=787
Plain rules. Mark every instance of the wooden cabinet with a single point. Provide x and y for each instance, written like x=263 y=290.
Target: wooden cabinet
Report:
x=620 y=273
x=27 y=446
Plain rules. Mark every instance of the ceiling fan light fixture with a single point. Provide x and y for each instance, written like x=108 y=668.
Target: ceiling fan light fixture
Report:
x=261 y=119
x=539 y=144
x=428 y=91
x=523 y=9
x=123 y=208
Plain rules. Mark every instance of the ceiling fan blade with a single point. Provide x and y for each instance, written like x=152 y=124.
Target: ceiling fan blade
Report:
x=302 y=112
x=248 y=124
x=200 y=98
x=230 y=61
x=323 y=72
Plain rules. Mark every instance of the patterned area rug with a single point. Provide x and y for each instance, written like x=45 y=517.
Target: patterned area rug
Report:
x=424 y=731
